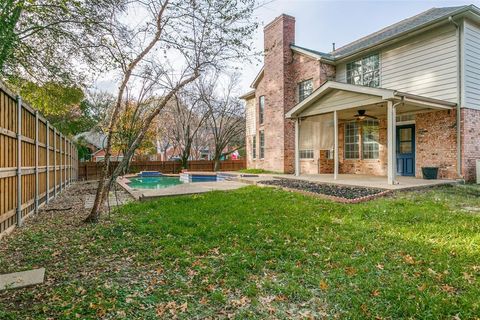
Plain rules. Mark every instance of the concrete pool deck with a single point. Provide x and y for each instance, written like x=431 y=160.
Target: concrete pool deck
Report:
x=379 y=182
x=179 y=190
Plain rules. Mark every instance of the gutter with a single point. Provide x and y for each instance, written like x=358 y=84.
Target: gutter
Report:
x=459 y=94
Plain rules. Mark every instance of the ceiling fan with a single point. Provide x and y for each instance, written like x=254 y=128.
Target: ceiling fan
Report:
x=361 y=115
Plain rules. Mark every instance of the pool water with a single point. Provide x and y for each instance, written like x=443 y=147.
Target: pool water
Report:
x=153 y=182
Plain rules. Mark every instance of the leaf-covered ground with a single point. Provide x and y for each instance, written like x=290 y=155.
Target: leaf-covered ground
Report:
x=252 y=253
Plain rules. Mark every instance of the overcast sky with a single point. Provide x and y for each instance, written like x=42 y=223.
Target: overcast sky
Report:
x=321 y=22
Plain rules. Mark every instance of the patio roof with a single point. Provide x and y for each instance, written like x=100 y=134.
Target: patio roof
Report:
x=355 y=96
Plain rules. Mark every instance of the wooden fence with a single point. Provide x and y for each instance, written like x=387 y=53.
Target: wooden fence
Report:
x=36 y=161
x=91 y=170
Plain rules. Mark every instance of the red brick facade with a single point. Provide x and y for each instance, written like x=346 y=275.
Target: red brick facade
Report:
x=470 y=142
x=436 y=143
x=435 y=132
x=282 y=71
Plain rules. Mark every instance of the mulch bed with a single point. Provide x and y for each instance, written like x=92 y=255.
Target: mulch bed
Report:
x=342 y=193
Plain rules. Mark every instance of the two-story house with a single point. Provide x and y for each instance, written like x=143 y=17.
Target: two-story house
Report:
x=388 y=104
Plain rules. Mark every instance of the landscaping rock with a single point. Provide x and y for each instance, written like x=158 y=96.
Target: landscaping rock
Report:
x=334 y=190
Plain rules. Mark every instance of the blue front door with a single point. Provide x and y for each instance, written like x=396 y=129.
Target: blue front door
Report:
x=406 y=150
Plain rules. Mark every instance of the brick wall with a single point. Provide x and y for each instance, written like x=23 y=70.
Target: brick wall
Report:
x=470 y=142
x=325 y=165
x=377 y=167
x=435 y=137
x=299 y=69
x=282 y=71
x=279 y=34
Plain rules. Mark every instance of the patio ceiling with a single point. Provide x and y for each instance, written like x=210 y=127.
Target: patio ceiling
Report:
x=348 y=98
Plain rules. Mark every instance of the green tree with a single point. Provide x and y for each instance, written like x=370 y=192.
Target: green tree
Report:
x=54 y=40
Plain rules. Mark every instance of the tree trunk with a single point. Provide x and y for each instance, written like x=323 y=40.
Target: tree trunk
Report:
x=217 y=162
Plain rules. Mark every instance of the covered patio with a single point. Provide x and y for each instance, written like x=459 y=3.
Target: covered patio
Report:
x=348 y=133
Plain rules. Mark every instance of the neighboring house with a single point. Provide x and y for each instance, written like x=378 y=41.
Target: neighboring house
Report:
x=93 y=140
x=388 y=104
x=99 y=156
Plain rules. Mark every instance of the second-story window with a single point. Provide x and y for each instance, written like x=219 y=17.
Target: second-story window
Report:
x=364 y=72
x=305 y=88
x=261 y=108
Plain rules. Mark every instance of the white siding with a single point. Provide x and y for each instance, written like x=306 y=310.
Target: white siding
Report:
x=425 y=65
x=340 y=99
x=341 y=73
x=250 y=116
x=472 y=66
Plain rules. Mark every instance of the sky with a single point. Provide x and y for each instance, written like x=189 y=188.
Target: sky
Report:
x=319 y=23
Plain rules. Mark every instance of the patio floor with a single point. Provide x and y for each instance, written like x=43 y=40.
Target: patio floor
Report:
x=356 y=180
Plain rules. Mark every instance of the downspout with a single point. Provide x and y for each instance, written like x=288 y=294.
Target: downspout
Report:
x=459 y=103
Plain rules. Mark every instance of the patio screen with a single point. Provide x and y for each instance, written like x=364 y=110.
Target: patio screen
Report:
x=316 y=133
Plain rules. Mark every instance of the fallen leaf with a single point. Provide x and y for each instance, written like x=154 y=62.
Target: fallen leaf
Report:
x=350 y=271
x=323 y=285
x=448 y=289
x=408 y=259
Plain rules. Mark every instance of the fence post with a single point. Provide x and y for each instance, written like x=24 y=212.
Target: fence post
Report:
x=61 y=161
x=19 y=161
x=55 y=162
x=64 y=161
x=47 y=200
x=69 y=171
x=36 y=161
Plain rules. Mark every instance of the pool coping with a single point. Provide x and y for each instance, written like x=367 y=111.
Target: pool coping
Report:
x=195 y=187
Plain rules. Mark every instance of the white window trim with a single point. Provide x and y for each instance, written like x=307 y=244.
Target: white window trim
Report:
x=307 y=150
x=298 y=89
x=380 y=67
x=345 y=141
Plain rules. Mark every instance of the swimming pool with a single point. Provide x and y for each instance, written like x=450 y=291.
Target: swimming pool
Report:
x=153 y=182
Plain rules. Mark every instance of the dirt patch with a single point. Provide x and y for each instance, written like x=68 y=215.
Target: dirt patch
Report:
x=340 y=191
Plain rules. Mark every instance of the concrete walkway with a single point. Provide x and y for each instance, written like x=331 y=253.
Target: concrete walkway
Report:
x=349 y=180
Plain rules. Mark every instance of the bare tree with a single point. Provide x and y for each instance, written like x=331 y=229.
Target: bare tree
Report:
x=173 y=43
x=226 y=115
x=188 y=117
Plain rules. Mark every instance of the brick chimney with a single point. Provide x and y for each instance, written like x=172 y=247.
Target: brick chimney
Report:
x=278 y=36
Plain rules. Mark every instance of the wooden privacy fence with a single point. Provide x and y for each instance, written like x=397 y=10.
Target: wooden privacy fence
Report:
x=91 y=170
x=36 y=161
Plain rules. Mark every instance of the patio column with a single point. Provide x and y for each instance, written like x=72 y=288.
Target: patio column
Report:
x=297 y=146
x=391 y=143
x=335 y=145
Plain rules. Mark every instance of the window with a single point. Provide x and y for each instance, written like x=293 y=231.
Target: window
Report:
x=370 y=147
x=261 y=108
x=364 y=72
x=262 y=144
x=305 y=88
x=406 y=117
x=306 y=154
x=352 y=141
x=254 y=147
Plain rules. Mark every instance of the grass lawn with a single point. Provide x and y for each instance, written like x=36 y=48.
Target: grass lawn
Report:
x=257 y=253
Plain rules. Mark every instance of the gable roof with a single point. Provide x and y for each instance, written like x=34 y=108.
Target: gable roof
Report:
x=395 y=30
x=310 y=52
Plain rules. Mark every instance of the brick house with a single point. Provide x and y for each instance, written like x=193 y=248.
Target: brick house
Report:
x=388 y=104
